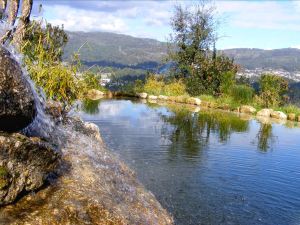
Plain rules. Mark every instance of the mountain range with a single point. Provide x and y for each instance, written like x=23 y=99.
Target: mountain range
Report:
x=123 y=51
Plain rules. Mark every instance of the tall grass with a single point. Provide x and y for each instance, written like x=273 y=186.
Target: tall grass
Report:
x=242 y=94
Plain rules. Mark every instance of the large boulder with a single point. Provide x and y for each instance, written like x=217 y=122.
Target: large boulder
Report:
x=247 y=109
x=279 y=115
x=25 y=164
x=17 y=105
x=94 y=94
x=265 y=112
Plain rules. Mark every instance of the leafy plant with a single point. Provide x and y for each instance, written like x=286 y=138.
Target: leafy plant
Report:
x=153 y=85
x=272 y=89
x=242 y=94
x=175 y=88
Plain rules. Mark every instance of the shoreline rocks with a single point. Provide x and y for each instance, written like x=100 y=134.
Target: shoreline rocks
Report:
x=25 y=164
x=17 y=104
x=247 y=109
x=278 y=115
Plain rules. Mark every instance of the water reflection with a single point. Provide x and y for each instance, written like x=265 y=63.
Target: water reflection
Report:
x=90 y=106
x=265 y=137
x=204 y=166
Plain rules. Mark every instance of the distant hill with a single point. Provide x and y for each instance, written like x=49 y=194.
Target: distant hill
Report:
x=251 y=58
x=117 y=50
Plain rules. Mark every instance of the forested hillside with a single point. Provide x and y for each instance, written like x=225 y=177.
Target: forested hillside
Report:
x=117 y=50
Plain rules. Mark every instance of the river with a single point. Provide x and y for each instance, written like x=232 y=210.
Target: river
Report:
x=205 y=167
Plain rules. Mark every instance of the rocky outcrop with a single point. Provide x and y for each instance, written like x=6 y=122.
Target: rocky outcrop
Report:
x=247 y=109
x=25 y=164
x=94 y=187
x=265 y=112
x=17 y=105
x=278 y=115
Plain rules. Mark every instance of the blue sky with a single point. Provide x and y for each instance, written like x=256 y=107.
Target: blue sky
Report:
x=249 y=24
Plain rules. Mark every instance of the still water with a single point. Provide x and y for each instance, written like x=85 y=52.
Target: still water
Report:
x=206 y=167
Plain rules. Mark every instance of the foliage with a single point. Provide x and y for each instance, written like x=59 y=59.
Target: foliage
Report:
x=153 y=85
x=242 y=94
x=43 y=49
x=208 y=78
x=290 y=109
x=227 y=82
x=138 y=86
x=91 y=81
x=175 y=88
x=272 y=89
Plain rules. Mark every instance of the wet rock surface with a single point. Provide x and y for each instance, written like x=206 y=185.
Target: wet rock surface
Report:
x=25 y=164
x=17 y=107
x=93 y=187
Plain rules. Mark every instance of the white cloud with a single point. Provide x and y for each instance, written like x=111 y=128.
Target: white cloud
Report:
x=82 y=20
x=263 y=15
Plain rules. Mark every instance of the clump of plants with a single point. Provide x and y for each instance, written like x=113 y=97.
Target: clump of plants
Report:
x=42 y=47
x=272 y=90
x=242 y=94
x=175 y=88
x=154 y=85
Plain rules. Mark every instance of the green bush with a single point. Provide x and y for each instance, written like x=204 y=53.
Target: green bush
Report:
x=272 y=89
x=175 y=88
x=153 y=86
x=227 y=82
x=242 y=94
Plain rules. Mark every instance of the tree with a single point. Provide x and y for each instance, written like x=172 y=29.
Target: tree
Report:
x=272 y=89
x=195 y=54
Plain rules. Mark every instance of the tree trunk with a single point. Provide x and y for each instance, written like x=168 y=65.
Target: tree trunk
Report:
x=3 y=4
x=13 y=11
x=23 y=22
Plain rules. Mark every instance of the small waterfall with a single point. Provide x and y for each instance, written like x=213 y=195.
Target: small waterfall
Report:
x=42 y=126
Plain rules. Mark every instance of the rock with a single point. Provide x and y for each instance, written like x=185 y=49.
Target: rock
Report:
x=247 y=109
x=298 y=118
x=94 y=94
x=17 y=105
x=163 y=98
x=93 y=130
x=54 y=109
x=25 y=164
x=142 y=95
x=93 y=187
x=194 y=101
x=265 y=112
x=225 y=107
x=291 y=116
x=278 y=115
x=152 y=97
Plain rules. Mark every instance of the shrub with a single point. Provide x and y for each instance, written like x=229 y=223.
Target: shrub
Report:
x=153 y=86
x=227 y=82
x=42 y=48
x=242 y=94
x=138 y=86
x=176 y=88
x=272 y=89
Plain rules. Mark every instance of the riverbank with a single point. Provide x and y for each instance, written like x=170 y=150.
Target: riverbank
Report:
x=264 y=115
